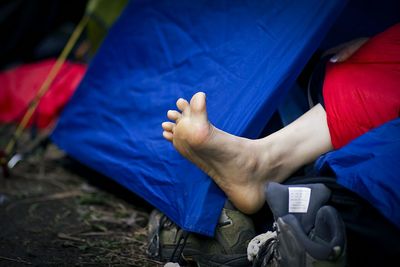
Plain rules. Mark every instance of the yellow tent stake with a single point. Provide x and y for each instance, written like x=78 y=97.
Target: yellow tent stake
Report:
x=46 y=84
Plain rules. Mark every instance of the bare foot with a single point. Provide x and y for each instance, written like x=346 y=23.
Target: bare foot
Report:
x=241 y=166
x=238 y=165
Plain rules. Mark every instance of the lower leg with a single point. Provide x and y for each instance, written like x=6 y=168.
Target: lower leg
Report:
x=298 y=144
x=241 y=166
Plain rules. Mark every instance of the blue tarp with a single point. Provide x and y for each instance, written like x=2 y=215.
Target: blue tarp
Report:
x=370 y=166
x=243 y=54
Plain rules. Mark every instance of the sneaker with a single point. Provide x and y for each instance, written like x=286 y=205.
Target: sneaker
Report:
x=168 y=242
x=307 y=232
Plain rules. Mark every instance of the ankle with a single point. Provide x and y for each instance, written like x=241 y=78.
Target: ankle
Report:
x=274 y=158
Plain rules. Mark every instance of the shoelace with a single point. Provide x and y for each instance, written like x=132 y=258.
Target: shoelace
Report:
x=154 y=248
x=263 y=249
x=267 y=254
x=177 y=255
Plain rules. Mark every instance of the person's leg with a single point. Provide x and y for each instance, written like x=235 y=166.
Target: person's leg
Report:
x=241 y=166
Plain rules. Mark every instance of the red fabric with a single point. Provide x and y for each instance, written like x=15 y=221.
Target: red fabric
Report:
x=364 y=91
x=19 y=86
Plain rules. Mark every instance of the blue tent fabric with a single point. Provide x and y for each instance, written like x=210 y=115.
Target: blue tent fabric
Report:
x=243 y=54
x=370 y=167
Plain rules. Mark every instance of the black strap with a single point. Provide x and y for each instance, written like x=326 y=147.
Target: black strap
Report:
x=316 y=82
x=177 y=255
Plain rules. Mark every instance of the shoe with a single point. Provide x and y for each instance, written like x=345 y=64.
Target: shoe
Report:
x=228 y=247
x=307 y=232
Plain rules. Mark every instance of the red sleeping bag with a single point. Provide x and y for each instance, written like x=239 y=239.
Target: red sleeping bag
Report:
x=19 y=86
x=364 y=91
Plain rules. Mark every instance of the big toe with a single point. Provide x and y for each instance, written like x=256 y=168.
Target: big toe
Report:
x=198 y=104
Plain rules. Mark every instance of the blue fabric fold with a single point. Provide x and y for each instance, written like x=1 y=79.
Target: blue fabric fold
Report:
x=370 y=167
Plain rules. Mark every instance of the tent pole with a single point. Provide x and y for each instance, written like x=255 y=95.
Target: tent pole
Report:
x=44 y=88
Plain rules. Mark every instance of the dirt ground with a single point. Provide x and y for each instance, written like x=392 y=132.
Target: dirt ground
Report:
x=56 y=212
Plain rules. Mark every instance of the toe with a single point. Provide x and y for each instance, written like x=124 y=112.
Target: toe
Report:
x=168 y=126
x=174 y=115
x=168 y=135
x=183 y=105
x=198 y=104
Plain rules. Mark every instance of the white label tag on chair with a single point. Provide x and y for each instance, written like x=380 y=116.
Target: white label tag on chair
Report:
x=299 y=199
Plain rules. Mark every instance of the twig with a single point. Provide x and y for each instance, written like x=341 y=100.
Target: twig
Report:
x=70 y=238
x=137 y=257
x=56 y=196
x=15 y=260
x=97 y=233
